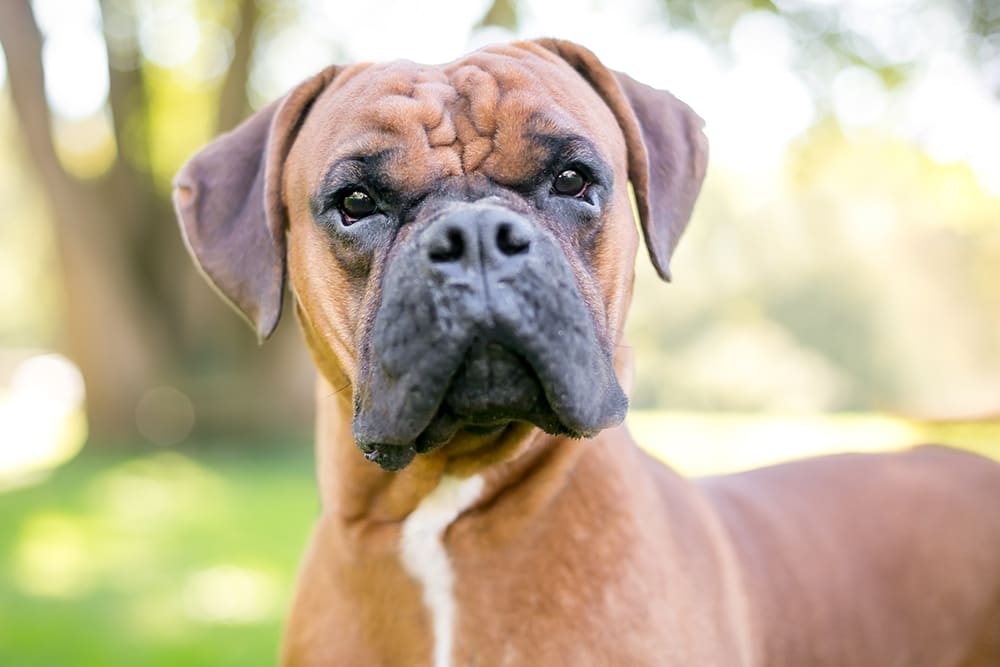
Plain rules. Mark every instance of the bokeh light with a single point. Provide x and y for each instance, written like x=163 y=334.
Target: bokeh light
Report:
x=164 y=415
x=230 y=594
x=54 y=557
x=169 y=34
x=41 y=417
x=74 y=56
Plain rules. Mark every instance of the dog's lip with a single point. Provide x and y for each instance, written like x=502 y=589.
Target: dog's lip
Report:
x=391 y=458
x=452 y=418
x=484 y=429
x=444 y=423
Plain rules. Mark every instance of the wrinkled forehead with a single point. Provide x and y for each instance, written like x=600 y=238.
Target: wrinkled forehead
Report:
x=499 y=112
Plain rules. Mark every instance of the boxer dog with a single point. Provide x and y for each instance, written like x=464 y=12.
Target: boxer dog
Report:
x=459 y=241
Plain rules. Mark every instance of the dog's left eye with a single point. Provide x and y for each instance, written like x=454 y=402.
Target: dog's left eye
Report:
x=570 y=183
x=356 y=204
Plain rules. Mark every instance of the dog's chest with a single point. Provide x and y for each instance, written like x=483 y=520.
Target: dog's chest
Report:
x=425 y=558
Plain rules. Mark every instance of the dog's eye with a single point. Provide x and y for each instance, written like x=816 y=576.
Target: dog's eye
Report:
x=356 y=204
x=570 y=183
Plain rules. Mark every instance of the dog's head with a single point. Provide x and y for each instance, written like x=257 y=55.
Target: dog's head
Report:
x=459 y=238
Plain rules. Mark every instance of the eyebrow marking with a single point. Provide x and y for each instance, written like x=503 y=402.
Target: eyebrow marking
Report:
x=560 y=150
x=363 y=170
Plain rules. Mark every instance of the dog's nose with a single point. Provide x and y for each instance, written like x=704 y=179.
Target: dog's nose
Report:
x=488 y=238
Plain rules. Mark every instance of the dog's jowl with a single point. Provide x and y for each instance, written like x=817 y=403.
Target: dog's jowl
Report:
x=459 y=242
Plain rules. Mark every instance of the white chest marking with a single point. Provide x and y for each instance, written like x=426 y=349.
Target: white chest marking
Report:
x=425 y=559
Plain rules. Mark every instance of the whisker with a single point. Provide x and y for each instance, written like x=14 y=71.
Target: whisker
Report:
x=337 y=391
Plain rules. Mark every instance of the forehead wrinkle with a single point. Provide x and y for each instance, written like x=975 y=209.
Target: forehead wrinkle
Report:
x=440 y=133
x=505 y=95
x=452 y=120
x=401 y=106
x=479 y=98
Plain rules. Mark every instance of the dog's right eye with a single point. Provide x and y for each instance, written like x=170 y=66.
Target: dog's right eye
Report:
x=570 y=183
x=356 y=204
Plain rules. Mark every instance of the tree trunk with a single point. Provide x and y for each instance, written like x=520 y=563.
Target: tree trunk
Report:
x=137 y=315
x=106 y=330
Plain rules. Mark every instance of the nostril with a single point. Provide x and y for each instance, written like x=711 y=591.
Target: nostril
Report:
x=508 y=240
x=450 y=248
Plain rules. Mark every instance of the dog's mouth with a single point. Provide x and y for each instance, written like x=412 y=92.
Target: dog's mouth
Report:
x=482 y=386
x=492 y=386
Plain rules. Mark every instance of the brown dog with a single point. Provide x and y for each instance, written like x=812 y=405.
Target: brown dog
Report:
x=460 y=245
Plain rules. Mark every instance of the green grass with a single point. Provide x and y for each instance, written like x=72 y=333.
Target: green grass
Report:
x=159 y=559
x=173 y=558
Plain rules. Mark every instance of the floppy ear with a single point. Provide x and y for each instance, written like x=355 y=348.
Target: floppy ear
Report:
x=667 y=151
x=229 y=203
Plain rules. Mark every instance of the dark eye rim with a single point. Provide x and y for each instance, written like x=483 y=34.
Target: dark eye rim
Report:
x=340 y=198
x=584 y=176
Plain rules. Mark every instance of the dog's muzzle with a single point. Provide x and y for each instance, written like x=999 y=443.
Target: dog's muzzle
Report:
x=481 y=323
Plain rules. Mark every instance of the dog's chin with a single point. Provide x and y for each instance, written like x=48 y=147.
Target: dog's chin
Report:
x=492 y=387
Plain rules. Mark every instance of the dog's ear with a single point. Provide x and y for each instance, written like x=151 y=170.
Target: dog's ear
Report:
x=667 y=150
x=229 y=202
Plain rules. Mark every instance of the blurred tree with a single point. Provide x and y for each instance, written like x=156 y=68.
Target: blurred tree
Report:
x=830 y=39
x=501 y=14
x=131 y=297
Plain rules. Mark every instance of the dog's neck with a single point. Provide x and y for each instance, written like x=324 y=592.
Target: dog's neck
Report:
x=370 y=501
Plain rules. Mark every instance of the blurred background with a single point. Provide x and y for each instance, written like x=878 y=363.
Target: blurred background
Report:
x=839 y=287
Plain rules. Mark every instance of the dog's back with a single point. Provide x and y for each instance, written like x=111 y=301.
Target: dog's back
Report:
x=898 y=552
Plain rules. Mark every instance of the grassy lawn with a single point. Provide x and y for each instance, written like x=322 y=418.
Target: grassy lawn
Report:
x=161 y=559
x=175 y=558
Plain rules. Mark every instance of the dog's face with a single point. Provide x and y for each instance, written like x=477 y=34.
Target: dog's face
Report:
x=459 y=239
x=462 y=212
